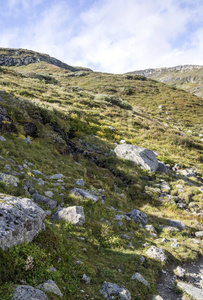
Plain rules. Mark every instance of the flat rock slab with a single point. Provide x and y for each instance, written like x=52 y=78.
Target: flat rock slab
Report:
x=9 y=179
x=191 y=290
x=72 y=214
x=84 y=194
x=26 y=292
x=143 y=157
x=112 y=290
x=20 y=220
x=157 y=253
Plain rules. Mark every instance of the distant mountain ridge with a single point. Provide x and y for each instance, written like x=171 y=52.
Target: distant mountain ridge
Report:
x=186 y=77
x=19 y=57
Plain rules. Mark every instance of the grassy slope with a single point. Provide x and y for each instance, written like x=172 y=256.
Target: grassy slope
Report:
x=77 y=104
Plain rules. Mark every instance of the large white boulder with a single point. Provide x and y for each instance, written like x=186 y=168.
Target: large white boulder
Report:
x=143 y=157
x=72 y=214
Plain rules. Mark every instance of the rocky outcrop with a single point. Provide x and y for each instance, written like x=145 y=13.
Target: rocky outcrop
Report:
x=143 y=157
x=19 y=57
x=20 y=220
x=112 y=290
x=27 y=292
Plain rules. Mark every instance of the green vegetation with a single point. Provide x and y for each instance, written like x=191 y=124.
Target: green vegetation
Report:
x=68 y=117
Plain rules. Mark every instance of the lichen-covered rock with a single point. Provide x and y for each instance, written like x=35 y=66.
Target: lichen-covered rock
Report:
x=20 y=220
x=138 y=216
x=84 y=194
x=112 y=290
x=143 y=157
x=72 y=214
x=26 y=292
x=9 y=179
x=157 y=253
x=51 y=287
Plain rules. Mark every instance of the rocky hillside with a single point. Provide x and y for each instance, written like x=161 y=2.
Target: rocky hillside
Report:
x=101 y=186
x=188 y=77
x=19 y=57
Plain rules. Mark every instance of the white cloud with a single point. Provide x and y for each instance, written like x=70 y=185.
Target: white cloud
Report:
x=112 y=35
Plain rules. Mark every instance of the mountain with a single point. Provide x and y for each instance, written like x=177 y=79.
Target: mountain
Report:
x=188 y=77
x=101 y=183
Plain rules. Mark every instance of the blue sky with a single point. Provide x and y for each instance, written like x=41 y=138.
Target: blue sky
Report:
x=113 y=36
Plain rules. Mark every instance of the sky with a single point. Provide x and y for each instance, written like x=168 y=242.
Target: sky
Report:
x=114 y=36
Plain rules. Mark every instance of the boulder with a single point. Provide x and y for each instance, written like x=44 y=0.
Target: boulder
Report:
x=26 y=292
x=57 y=176
x=9 y=179
x=177 y=223
x=157 y=253
x=72 y=214
x=191 y=290
x=51 y=287
x=140 y=278
x=138 y=216
x=199 y=233
x=20 y=220
x=84 y=194
x=112 y=290
x=143 y=157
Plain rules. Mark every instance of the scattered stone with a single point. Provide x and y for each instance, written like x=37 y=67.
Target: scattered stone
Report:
x=143 y=157
x=80 y=182
x=2 y=139
x=162 y=167
x=7 y=167
x=49 y=194
x=140 y=278
x=27 y=292
x=142 y=259
x=175 y=245
x=157 y=253
x=165 y=187
x=176 y=223
x=78 y=262
x=195 y=241
x=57 y=176
x=111 y=128
x=72 y=214
x=40 y=181
x=170 y=228
x=199 y=233
x=51 y=287
x=83 y=194
x=122 y=142
x=86 y=279
x=157 y=297
x=119 y=217
x=21 y=220
x=52 y=269
x=180 y=272
x=191 y=290
x=111 y=290
x=164 y=240
x=37 y=172
x=150 y=228
x=146 y=245
x=9 y=180
x=138 y=216
x=45 y=200
x=119 y=223
x=125 y=236
x=27 y=140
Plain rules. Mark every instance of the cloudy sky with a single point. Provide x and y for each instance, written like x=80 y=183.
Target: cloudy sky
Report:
x=113 y=36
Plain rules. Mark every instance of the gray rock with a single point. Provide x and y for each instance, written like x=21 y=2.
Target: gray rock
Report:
x=157 y=253
x=57 y=176
x=21 y=220
x=80 y=182
x=140 y=278
x=83 y=194
x=138 y=216
x=195 y=241
x=37 y=172
x=191 y=290
x=111 y=290
x=178 y=224
x=45 y=200
x=180 y=272
x=51 y=287
x=125 y=236
x=86 y=279
x=7 y=167
x=143 y=157
x=150 y=228
x=2 y=139
x=165 y=187
x=27 y=140
x=26 y=292
x=119 y=217
x=49 y=194
x=175 y=245
x=52 y=269
x=162 y=167
x=9 y=180
x=72 y=214
x=199 y=233
x=157 y=297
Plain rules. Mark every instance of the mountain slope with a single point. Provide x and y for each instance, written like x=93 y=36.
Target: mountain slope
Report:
x=58 y=122
x=188 y=77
